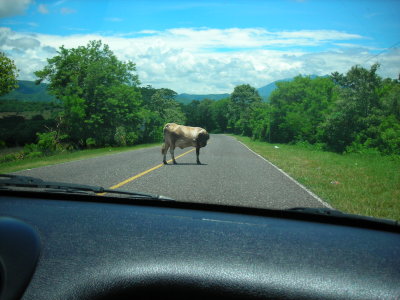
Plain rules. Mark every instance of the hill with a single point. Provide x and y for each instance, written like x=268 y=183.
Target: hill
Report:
x=264 y=92
x=29 y=91
x=187 y=98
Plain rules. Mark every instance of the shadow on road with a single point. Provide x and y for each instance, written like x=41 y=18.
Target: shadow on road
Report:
x=186 y=164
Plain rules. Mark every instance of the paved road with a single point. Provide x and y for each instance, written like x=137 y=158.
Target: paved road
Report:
x=231 y=175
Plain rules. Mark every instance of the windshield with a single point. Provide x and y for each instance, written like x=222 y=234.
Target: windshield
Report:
x=269 y=104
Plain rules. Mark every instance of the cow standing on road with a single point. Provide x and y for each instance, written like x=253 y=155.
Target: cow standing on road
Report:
x=183 y=136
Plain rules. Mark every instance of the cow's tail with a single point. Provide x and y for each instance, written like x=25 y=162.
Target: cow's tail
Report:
x=163 y=149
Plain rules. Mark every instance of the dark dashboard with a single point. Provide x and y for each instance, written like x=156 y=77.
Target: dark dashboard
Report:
x=59 y=246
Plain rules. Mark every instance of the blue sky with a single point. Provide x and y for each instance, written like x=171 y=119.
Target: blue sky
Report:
x=209 y=46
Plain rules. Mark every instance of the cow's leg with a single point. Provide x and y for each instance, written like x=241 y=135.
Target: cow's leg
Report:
x=171 y=150
x=164 y=151
x=197 y=155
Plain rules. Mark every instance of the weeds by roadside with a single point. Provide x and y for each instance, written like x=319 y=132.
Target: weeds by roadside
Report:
x=28 y=162
x=359 y=183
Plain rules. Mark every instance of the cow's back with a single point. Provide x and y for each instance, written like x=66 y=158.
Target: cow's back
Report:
x=180 y=135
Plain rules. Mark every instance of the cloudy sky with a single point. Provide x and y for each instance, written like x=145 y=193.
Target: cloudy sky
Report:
x=209 y=46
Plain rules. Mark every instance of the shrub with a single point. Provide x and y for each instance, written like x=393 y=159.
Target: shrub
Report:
x=131 y=138
x=90 y=142
x=120 y=136
x=34 y=154
x=9 y=157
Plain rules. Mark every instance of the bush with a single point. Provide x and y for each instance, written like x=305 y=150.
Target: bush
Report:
x=131 y=138
x=120 y=136
x=34 y=154
x=9 y=157
x=389 y=136
x=123 y=137
x=90 y=142
x=47 y=142
x=315 y=147
x=357 y=147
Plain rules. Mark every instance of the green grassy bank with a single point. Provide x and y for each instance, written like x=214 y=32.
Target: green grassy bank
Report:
x=365 y=184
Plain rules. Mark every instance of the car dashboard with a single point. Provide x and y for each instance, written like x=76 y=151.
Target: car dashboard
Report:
x=71 y=246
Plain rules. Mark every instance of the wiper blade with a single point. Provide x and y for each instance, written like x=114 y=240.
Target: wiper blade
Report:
x=138 y=195
x=340 y=215
x=8 y=180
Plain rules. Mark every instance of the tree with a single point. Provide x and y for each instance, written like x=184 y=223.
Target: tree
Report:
x=99 y=93
x=260 y=122
x=161 y=100
x=299 y=107
x=357 y=111
x=160 y=108
x=8 y=75
x=243 y=100
x=220 y=113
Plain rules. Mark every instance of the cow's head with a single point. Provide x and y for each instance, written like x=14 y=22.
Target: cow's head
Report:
x=202 y=138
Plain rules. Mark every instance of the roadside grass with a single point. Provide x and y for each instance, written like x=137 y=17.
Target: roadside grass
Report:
x=363 y=184
x=30 y=163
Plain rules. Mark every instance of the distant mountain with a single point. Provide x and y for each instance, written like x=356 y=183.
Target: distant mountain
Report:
x=29 y=91
x=266 y=90
x=187 y=98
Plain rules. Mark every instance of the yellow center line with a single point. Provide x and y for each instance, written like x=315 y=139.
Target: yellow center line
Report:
x=118 y=185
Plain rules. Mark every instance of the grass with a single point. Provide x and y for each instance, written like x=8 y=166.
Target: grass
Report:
x=364 y=184
x=27 y=163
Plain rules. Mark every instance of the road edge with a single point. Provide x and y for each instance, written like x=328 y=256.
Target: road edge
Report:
x=289 y=177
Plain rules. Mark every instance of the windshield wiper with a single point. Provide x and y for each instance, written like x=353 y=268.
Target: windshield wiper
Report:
x=9 y=181
x=343 y=216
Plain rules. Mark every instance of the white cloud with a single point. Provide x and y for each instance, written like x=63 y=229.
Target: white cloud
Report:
x=10 y=8
x=42 y=8
x=59 y=2
x=23 y=43
x=114 y=19
x=67 y=11
x=210 y=60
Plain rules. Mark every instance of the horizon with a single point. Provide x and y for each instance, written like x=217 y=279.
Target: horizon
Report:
x=209 y=47
x=194 y=94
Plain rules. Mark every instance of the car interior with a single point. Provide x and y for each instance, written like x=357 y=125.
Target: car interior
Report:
x=79 y=245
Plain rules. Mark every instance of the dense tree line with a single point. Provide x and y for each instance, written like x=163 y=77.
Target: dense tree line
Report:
x=354 y=112
x=102 y=103
x=19 y=131
x=17 y=106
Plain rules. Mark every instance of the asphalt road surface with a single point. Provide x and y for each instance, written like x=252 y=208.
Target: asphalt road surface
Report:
x=230 y=174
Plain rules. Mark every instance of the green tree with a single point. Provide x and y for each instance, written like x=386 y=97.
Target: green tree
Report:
x=163 y=103
x=161 y=108
x=260 y=122
x=299 y=107
x=99 y=93
x=358 y=109
x=220 y=114
x=8 y=75
x=243 y=100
